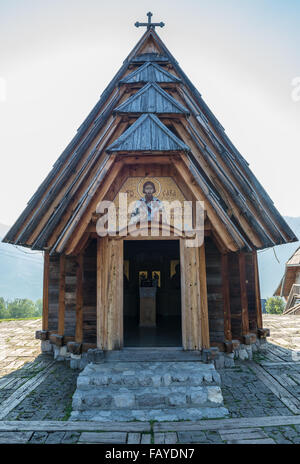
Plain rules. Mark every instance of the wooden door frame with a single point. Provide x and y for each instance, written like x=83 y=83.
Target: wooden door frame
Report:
x=194 y=316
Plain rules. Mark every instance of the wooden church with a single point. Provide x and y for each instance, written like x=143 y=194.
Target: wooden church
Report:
x=151 y=131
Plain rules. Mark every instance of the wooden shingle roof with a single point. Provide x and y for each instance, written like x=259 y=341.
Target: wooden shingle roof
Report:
x=151 y=99
x=149 y=72
x=234 y=197
x=148 y=133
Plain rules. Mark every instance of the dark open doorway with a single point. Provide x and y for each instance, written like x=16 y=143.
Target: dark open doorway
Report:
x=151 y=267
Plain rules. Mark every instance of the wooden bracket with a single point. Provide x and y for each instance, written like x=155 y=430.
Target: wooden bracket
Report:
x=263 y=333
x=42 y=335
x=74 y=347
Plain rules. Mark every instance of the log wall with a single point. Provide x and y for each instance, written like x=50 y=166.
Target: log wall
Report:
x=53 y=293
x=214 y=291
x=90 y=293
x=235 y=295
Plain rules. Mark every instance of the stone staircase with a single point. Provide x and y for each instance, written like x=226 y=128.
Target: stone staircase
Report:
x=142 y=390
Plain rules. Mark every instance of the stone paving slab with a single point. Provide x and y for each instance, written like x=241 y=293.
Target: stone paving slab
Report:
x=103 y=437
x=7 y=438
x=258 y=414
x=18 y=333
x=224 y=432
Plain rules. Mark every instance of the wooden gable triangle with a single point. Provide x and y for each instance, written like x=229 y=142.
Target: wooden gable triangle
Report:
x=151 y=99
x=148 y=133
x=150 y=72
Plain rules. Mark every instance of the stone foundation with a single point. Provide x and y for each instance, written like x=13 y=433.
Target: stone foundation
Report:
x=72 y=352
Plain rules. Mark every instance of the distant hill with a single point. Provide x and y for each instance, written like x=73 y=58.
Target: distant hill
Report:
x=270 y=270
x=21 y=271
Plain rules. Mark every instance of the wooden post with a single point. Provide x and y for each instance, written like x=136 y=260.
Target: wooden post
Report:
x=79 y=299
x=45 y=291
x=244 y=297
x=61 y=297
x=226 y=297
x=190 y=297
x=203 y=299
x=109 y=293
x=257 y=292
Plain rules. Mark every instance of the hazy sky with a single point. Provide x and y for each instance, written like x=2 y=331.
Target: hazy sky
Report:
x=56 y=57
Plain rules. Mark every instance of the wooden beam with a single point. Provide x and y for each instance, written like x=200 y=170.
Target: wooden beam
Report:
x=244 y=297
x=203 y=299
x=257 y=292
x=186 y=176
x=45 y=291
x=79 y=299
x=226 y=297
x=96 y=194
x=61 y=297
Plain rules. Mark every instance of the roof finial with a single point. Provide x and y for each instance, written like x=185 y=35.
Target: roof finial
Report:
x=149 y=25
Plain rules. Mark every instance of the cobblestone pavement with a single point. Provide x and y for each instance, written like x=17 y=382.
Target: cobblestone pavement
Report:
x=262 y=396
x=18 y=344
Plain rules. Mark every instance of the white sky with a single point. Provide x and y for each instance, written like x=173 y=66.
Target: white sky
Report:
x=56 y=57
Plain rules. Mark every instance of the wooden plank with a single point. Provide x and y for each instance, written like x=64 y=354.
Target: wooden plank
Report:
x=20 y=394
x=203 y=299
x=186 y=177
x=226 y=424
x=284 y=395
x=109 y=293
x=103 y=437
x=69 y=426
x=190 y=297
x=226 y=298
x=45 y=291
x=96 y=194
x=244 y=297
x=79 y=299
x=257 y=292
x=61 y=298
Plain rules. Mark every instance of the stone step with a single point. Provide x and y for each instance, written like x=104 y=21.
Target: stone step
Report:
x=148 y=374
x=164 y=414
x=116 y=397
x=161 y=354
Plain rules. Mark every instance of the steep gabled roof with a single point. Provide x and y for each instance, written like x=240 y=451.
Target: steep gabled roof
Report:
x=149 y=72
x=151 y=99
x=235 y=195
x=148 y=133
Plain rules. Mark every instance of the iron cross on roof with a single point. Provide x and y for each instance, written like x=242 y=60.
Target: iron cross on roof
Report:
x=149 y=25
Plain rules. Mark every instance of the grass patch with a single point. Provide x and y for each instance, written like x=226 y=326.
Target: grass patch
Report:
x=21 y=319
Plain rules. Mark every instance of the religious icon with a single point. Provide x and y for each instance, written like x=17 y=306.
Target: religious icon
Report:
x=156 y=278
x=143 y=275
x=149 y=206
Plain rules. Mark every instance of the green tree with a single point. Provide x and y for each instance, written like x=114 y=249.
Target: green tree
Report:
x=21 y=308
x=275 y=305
x=38 y=307
x=4 y=312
